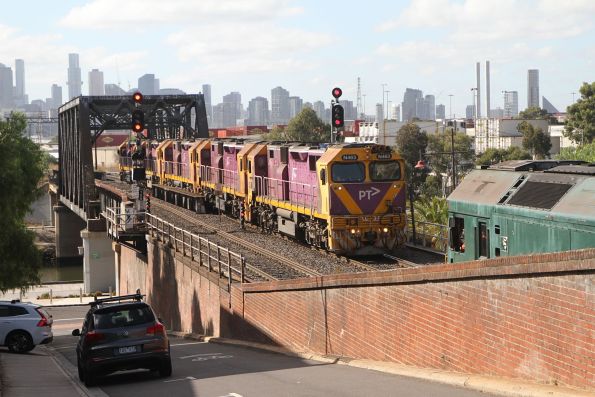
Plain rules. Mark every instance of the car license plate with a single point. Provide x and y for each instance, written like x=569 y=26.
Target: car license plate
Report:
x=127 y=350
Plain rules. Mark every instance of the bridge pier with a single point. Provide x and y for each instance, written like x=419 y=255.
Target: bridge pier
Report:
x=98 y=258
x=68 y=235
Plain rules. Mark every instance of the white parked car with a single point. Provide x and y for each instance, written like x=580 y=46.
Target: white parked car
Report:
x=24 y=326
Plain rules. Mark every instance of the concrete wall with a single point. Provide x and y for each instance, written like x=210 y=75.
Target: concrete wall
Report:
x=525 y=317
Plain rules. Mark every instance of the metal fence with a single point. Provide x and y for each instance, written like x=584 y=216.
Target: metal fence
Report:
x=428 y=235
x=199 y=249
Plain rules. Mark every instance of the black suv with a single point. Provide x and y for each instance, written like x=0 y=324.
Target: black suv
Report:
x=121 y=333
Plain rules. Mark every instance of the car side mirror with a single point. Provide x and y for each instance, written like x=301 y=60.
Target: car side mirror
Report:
x=76 y=332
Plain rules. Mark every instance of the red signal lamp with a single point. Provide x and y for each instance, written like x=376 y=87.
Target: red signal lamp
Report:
x=137 y=127
x=137 y=97
x=337 y=92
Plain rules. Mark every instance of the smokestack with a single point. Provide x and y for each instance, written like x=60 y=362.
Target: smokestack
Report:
x=488 y=89
x=478 y=102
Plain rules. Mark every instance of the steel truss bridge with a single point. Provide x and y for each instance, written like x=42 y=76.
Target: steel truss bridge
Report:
x=82 y=121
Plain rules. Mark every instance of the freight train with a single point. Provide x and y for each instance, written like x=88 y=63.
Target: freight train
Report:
x=345 y=198
x=522 y=207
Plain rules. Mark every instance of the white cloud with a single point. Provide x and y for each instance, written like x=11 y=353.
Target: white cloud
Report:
x=108 y=14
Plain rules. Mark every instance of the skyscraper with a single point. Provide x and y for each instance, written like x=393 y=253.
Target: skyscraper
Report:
x=511 y=104
x=429 y=108
x=478 y=87
x=295 y=106
x=258 y=111
x=56 y=96
x=318 y=107
x=74 y=76
x=395 y=112
x=19 y=93
x=470 y=111
x=410 y=103
x=96 y=86
x=547 y=106
x=279 y=105
x=440 y=112
x=488 y=109
x=532 y=88
x=206 y=92
x=232 y=109
x=146 y=84
x=6 y=88
x=379 y=113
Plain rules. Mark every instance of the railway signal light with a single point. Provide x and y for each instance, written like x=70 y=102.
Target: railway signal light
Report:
x=137 y=97
x=138 y=120
x=337 y=92
x=338 y=118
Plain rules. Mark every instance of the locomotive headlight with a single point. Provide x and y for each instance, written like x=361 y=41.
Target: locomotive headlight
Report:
x=385 y=230
x=340 y=188
x=352 y=231
x=395 y=186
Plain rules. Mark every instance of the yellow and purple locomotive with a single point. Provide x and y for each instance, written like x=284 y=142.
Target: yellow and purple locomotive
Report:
x=346 y=198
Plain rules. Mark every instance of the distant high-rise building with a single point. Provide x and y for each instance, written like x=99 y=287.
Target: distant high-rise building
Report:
x=410 y=103
x=429 y=108
x=19 y=92
x=218 y=112
x=470 y=112
x=440 y=112
x=488 y=105
x=533 y=88
x=171 y=91
x=497 y=113
x=511 y=104
x=56 y=96
x=295 y=106
x=147 y=84
x=206 y=92
x=478 y=88
x=156 y=87
x=379 y=113
x=395 y=112
x=75 y=83
x=350 y=111
x=279 y=106
x=113 y=89
x=319 y=108
x=547 y=106
x=6 y=87
x=96 y=86
x=232 y=109
x=258 y=111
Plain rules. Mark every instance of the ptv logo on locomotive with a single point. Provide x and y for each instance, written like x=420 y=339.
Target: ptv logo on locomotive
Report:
x=368 y=193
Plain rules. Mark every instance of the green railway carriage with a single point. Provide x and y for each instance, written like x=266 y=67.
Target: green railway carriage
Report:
x=522 y=207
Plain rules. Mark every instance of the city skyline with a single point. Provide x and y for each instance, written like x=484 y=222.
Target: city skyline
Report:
x=431 y=45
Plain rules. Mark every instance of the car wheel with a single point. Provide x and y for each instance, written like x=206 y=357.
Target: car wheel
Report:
x=80 y=369
x=90 y=378
x=165 y=368
x=19 y=342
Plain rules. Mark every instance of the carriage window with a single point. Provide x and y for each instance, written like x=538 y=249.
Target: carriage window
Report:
x=457 y=235
x=271 y=154
x=348 y=172
x=483 y=240
x=312 y=162
x=385 y=170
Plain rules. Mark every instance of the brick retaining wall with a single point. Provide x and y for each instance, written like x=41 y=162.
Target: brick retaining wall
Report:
x=529 y=317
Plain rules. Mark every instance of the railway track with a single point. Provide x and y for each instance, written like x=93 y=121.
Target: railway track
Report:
x=189 y=216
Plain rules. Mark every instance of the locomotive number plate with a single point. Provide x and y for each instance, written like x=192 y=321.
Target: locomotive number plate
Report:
x=349 y=157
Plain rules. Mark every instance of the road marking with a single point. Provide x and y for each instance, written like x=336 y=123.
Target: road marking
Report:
x=62 y=347
x=210 y=358
x=178 y=380
x=68 y=319
x=232 y=395
x=186 y=344
x=206 y=356
x=197 y=355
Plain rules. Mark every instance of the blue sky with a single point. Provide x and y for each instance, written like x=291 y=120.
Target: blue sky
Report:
x=308 y=47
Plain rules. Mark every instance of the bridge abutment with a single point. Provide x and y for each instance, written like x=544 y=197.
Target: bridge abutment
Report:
x=98 y=260
x=68 y=235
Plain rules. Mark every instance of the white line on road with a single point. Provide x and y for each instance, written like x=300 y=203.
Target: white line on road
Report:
x=69 y=319
x=186 y=344
x=178 y=380
x=201 y=354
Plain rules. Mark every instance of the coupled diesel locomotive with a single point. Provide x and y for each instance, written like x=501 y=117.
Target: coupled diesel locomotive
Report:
x=346 y=198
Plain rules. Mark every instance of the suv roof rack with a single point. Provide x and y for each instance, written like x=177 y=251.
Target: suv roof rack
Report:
x=137 y=297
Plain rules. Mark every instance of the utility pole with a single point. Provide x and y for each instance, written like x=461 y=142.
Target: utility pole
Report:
x=573 y=94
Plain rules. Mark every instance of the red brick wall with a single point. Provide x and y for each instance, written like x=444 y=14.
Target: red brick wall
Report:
x=528 y=317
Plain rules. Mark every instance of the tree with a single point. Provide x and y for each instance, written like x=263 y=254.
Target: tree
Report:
x=536 y=141
x=580 y=117
x=305 y=127
x=411 y=143
x=441 y=145
x=432 y=209
x=23 y=165
x=493 y=156
x=584 y=152
x=533 y=113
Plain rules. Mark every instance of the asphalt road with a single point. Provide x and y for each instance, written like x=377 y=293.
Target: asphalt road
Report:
x=214 y=370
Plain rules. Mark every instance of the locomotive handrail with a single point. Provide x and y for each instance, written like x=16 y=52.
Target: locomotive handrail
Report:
x=220 y=176
x=177 y=168
x=267 y=188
